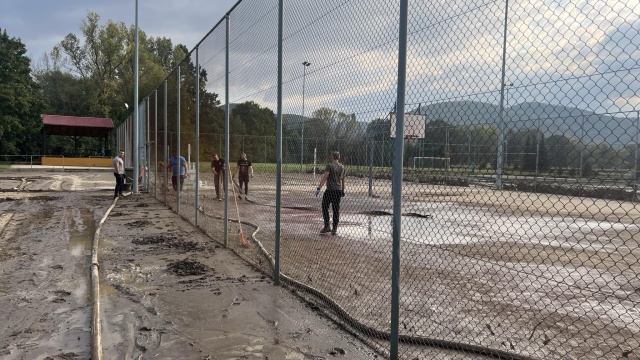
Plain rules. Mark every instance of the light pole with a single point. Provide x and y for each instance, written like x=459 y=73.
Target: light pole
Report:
x=304 y=76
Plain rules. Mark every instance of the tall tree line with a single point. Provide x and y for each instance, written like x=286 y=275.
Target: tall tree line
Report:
x=21 y=100
x=86 y=75
x=92 y=75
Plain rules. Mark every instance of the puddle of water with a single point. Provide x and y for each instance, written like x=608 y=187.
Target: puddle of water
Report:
x=5 y=218
x=105 y=288
x=380 y=227
x=450 y=224
x=83 y=290
x=81 y=234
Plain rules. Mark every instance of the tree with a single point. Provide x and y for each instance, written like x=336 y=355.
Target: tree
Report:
x=379 y=129
x=101 y=63
x=436 y=141
x=605 y=156
x=21 y=101
x=529 y=156
x=321 y=122
x=249 y=118
x=484 y=145
x=92 y=75
x=560 y=150
x=543 y=159
x=346 y=126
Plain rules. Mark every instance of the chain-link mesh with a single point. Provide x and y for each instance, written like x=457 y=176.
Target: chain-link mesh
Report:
x=520 y=218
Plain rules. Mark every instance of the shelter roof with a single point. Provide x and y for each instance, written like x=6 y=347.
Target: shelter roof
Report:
x=76 y=125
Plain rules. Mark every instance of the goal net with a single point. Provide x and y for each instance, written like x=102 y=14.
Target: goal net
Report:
x=430 y=162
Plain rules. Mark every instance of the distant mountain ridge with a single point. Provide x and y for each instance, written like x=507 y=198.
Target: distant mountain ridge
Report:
x=550 y=119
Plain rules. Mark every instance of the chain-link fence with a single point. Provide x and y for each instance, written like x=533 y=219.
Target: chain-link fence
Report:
x=510 y=229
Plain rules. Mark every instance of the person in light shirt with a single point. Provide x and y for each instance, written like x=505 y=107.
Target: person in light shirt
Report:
x=118 y=172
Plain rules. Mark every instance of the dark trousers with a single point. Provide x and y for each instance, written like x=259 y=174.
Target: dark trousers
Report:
x=218 y=182
x=331 y=197
x=244 y=180
x=174 y=182
x=119 y=183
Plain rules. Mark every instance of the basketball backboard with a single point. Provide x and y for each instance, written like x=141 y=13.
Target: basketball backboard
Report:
x=414 y=126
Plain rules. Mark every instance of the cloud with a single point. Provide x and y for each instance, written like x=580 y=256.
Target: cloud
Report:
x=629 y=103
x=41 y=27
x=570 y=52
x=590 y=46
x=556 y=53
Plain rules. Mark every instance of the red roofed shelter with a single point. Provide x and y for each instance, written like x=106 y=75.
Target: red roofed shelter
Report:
x=76 y=127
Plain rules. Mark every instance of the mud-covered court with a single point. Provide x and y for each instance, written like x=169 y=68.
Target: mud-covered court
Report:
x=542 y=276
x=168 y=291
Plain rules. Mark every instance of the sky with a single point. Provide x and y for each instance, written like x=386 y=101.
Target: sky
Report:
x=43 y=24
x=576 y=53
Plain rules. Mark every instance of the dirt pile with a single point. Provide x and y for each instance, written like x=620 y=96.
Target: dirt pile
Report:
x=187 y=267
x=168 y=241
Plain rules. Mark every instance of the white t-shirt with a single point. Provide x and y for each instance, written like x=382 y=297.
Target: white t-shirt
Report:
x=118 y=164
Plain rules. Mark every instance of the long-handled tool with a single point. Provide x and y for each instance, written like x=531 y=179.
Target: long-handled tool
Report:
x=235 y=199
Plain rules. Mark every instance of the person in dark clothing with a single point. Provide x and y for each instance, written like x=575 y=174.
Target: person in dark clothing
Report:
x=245 y=170
x=217 y=166
x=118 y=172
x=334 y=177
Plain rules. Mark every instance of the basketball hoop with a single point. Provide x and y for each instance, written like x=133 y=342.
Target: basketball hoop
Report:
x=414 y=126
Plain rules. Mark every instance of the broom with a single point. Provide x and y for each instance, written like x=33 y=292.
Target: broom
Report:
x=235 y=199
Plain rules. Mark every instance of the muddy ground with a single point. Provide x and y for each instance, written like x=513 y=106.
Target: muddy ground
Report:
x=172 y=292
x=535 y=275
x=167 y=291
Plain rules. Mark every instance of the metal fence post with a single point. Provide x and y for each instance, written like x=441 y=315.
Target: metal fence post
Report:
x=177 y=150
x=226 y=134
x=537 y=152
x=155 y=147
x=164 y=145
x=501 y=145
x=136 y=112
x=371 y=168
x=397 y=179
x=197 y=170
x=147 y=147
x=635 y=158
x=276 y=269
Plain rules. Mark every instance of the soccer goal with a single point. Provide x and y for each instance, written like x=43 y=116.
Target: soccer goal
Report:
x=430 y=162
